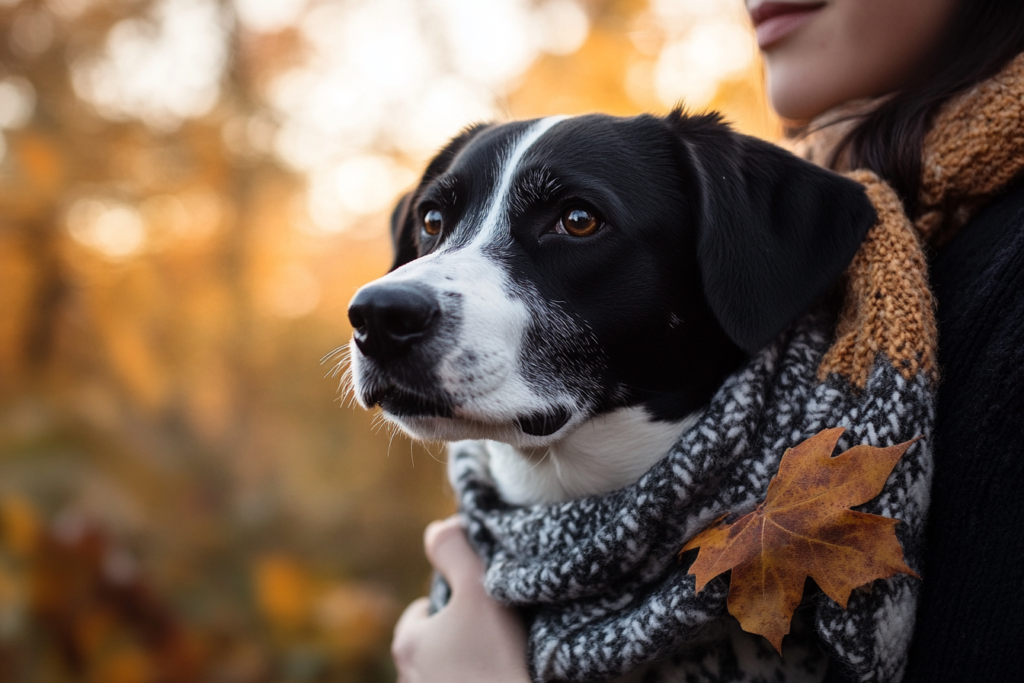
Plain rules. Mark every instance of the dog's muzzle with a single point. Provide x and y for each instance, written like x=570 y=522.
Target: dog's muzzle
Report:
x=390 y=319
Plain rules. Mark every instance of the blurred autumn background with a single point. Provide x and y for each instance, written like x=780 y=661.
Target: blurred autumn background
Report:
x=190 y=192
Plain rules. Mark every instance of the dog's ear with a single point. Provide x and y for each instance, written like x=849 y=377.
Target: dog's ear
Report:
x=774 y=232
x=403 y=232
x=404 y=224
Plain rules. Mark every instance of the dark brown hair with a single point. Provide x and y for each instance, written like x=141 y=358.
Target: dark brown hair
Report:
x=982 y=36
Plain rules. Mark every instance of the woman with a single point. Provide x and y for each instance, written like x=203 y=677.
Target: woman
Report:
x=895 y=80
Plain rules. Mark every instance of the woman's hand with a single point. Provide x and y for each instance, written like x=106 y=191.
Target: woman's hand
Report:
x=472 y=638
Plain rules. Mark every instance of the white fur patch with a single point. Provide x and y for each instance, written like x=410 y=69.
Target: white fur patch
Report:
x=495 y=223
x=603 y=454
x=481 y=372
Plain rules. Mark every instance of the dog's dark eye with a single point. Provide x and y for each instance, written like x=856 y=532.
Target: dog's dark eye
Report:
x=432 y=222
x=578 y=223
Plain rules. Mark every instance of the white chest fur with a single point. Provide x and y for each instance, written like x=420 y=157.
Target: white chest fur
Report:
x=603 y=454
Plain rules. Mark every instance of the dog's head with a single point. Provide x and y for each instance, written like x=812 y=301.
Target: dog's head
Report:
x=553 y=270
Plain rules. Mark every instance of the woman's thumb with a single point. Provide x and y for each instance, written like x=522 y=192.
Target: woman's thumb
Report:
x=449 y=551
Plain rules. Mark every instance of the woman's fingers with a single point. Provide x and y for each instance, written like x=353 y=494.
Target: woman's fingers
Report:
x=473 y=638
x=450 y=553
x=417 y=611
x=407 y=632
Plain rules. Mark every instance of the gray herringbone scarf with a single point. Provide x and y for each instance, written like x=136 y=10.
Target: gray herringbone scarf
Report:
x=599 y=576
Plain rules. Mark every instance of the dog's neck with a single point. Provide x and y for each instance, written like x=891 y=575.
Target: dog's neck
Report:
x=605 y=453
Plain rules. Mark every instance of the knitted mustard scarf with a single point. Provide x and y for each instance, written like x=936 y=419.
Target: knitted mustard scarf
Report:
x=598 y=578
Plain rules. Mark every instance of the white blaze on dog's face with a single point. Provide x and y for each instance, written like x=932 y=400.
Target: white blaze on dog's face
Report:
x=486 y=382
x=582 y=286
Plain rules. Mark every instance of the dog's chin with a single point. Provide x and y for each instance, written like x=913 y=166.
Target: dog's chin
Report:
x=545 y=423
x=438 y=417
x=398 y=404
x=531 y=430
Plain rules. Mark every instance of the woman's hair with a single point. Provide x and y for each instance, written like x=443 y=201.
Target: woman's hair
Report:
x=982 y=36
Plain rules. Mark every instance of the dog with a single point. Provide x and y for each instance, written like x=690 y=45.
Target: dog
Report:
x=573 y=290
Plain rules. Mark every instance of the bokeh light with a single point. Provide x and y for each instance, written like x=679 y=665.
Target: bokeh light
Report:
x=190 y=193
x=114 y=229
x=162 y=67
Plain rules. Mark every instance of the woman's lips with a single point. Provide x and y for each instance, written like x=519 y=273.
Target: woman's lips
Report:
x=774 y=21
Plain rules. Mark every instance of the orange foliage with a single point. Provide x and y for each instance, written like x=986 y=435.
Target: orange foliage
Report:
x=166 y=297
x=40 y=161
x=20 y=525
x=282 y=591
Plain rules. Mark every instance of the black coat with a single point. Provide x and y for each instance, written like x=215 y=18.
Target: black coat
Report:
x=970 y=623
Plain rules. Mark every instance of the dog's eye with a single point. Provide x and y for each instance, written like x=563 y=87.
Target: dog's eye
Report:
x=578 y=223
x=432 y=222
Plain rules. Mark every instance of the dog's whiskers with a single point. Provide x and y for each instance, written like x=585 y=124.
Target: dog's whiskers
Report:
x=392 y=431
x=380 y=421
x=343 y=367
x=547 y=454
x=343 y=361
x=431 y=454
x=341 y=349
x=348 y=387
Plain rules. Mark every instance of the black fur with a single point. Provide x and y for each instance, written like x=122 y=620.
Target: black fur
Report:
x=775 y=231
x=404 y=226
x=713 y=242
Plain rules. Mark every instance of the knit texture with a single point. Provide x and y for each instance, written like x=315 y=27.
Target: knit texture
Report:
x=598 y=578
x=971 y=614
x=974 y=148
x=600 y=574
x=888 y=305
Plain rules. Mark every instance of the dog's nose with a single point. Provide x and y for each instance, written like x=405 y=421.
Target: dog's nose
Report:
x=390 y=318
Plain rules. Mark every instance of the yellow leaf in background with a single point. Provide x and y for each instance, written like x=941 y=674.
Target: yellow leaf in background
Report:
x=283 y=590
x=146 y=384
x=20 y=525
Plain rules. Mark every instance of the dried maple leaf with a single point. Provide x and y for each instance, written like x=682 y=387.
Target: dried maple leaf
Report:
x=804 y=528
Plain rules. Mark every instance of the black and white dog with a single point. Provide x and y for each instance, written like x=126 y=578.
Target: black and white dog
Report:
x=573 y=290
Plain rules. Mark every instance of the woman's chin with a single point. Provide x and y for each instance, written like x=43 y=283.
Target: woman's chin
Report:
x=798 y=93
